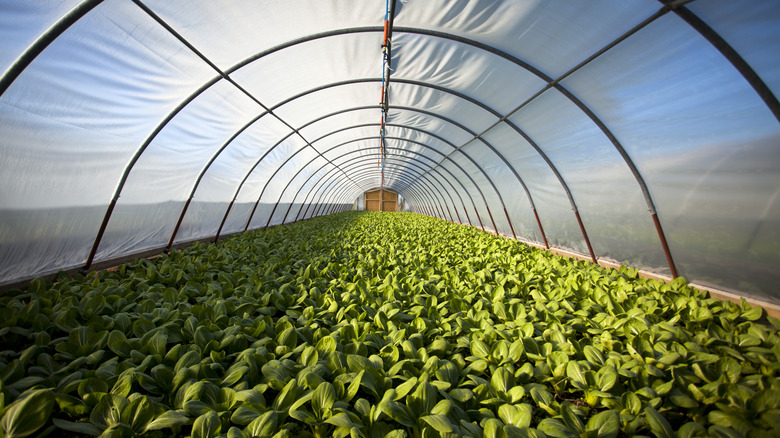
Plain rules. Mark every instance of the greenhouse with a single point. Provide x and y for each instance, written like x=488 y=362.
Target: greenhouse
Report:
x=401 y=218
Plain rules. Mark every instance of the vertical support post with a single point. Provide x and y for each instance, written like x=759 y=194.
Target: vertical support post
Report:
x=457 y=214
x=224 y=218
x=585 y=235
x=538 y=222
x=514 y=236
x=272 y=214
x=490 y=215
x=480 y=219
x=449 y=212
x=665 y=246
x=178 y=224
x=99 y=237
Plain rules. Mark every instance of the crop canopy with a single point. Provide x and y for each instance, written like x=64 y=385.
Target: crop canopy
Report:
x=644 y=132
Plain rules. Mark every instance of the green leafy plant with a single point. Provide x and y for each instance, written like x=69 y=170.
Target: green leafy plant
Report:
x=374 y=325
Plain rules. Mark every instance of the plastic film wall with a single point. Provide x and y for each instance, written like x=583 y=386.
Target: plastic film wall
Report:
x=644 y=132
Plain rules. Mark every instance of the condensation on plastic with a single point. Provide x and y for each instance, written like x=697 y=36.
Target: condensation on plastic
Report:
x=706 y=145
x=70 y=123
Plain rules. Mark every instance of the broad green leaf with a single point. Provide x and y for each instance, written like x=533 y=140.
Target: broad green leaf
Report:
x=516 y=415
x=606 y=424
x=422 y=399
x=27 y=414
x=403 y=389
x=658 y=424
x=570 y=419
x=287 y=397
x=158 y=342
x=117 y=342
x=263 y=426
x=244 y=415
x=396 y=411
x=479 y=349
x=341 y=420
x=251 y=397
x=309 y=356
x=502 y=380
x=692 y=430
x=167 y=420
x=322 y=400
x=235 y=432
x=207 y=425
x=79 y=428
x=108 y=412
x=493 y=428
x=555 y=428
x=574 y=373
x=138 y=414
x=440 y=422
x=593 y=355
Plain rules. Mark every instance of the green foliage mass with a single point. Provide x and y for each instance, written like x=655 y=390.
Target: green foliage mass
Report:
x=380 y=325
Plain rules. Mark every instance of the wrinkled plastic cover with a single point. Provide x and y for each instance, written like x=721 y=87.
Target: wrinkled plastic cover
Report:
x=210 y=118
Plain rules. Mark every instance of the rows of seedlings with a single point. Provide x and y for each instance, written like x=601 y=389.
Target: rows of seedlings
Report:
x=381 y=325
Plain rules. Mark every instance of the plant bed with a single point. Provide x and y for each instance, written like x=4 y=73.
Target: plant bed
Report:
x=381 y=324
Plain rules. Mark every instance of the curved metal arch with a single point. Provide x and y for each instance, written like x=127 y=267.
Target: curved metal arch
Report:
x=555 y=83
x=40 y=44
x=440 y=200
x=506 y=162
x=327 y=194
x=413 y=200
x=759 y=86
x=438 y=181
x=241 y=184
x=366 y=175
x=276 y=205
x=427 y=147
x=462 y=152
x=327 y=182
x=404 y=150
x=359 y=163
x=449 y=143
x=266 y=185
x=728 y=52
x=339 y=157
x=203 y=173
x=442 y=177
x=365 y=162
x=419 y=198
x=495 y=113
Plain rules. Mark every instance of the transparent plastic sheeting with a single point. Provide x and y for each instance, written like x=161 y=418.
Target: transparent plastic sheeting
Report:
x=117 y=103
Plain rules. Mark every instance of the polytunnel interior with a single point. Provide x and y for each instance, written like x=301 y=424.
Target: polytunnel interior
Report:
x=643 y=133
